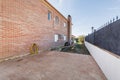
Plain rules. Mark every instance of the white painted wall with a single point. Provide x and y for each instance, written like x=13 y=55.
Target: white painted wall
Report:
x=109 y=64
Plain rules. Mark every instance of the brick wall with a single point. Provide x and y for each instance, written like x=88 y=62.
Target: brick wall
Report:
x=24 y=22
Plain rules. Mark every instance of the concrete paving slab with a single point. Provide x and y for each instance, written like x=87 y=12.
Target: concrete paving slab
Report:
x=51 y=66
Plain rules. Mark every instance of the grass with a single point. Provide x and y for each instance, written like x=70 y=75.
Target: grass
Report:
x=76 y=48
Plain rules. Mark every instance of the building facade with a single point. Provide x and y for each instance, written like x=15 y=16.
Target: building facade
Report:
x=25 y=22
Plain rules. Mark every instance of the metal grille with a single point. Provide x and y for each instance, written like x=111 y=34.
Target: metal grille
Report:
x=107 y=37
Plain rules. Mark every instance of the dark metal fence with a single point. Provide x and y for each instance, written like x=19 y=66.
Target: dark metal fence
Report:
x=107 y=37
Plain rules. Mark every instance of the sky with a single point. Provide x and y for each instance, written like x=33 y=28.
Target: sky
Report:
x=87 y=13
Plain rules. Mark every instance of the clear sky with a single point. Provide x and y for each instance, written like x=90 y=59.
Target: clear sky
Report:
x=87 y=13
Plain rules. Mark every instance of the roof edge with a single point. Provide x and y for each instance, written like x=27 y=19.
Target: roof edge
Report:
x=55 y=9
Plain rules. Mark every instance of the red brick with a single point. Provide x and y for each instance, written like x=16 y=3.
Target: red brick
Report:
x=24 y=22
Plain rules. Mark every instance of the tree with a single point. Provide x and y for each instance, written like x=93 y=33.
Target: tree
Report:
x=81 y=39
x=76 y=40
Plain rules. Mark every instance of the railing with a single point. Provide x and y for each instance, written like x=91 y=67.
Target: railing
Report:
x=108 y=23
x=107 y=37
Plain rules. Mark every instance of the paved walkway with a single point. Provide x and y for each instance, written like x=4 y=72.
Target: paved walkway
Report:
x=51 y=66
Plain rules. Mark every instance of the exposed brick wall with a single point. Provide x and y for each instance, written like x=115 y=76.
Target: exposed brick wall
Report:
x=24 y=22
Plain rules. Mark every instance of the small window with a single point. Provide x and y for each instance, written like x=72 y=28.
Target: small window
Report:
x=56 y=20
x=55 y=37
x=60 y=36
x=49 y=15
x=64 y=38
x=65 y=24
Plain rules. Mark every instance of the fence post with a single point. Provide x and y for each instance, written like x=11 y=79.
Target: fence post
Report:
x=94 y=36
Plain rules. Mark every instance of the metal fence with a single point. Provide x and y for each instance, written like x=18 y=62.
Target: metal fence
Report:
x=107 y=37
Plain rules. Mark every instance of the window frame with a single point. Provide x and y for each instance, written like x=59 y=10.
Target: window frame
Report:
x=49 y=15
x=56 y=38
x=64 y=37
x=57 y=20
x=65 y=24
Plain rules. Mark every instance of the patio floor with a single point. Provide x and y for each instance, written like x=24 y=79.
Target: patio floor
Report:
x=51 y=66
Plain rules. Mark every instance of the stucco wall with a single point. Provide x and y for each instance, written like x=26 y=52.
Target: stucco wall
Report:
x=108 y=62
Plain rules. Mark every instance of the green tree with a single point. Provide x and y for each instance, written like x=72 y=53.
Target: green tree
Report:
x=77 y=40
x=81 y=39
